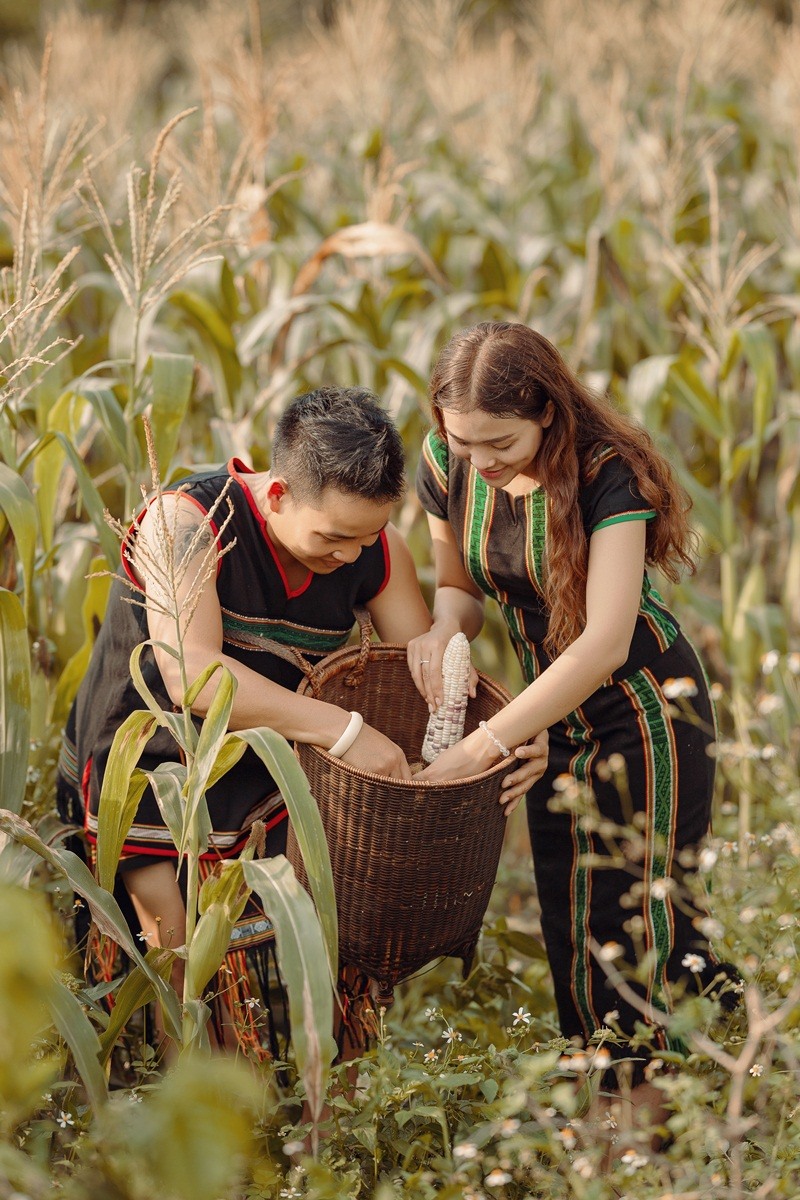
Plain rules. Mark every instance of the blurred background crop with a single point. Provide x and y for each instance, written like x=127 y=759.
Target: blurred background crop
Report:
x=208 y=208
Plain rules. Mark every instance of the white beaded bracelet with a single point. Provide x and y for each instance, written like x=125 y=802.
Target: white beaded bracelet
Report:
x=350 y=734
x=504 y=750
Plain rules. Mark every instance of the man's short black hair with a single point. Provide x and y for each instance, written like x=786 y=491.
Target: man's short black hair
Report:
x=339 y=438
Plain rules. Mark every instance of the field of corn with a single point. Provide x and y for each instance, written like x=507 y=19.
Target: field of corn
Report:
x=206 y=209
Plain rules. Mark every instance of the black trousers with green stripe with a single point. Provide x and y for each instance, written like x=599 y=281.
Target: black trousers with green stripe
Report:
x=599 y=887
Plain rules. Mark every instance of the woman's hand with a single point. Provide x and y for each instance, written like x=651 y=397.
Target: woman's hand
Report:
x=476 y=754
x=425 y=655
x=519 y=782
x=471 y=756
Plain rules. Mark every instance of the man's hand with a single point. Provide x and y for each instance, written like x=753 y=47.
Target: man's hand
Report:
x=371 y=751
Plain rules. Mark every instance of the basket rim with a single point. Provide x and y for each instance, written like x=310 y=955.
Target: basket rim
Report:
x=376 y=648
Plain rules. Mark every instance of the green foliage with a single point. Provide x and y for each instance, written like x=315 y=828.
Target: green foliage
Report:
x=626 y=189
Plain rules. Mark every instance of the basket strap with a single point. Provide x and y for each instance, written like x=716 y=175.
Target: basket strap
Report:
x=356 y=676
x=291 y=655
x=313 y=672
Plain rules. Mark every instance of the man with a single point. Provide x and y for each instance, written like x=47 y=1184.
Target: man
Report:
x=297 y=549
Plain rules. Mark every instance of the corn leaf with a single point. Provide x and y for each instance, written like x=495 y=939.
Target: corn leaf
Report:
x=172 y=376
x=210 y=942
x=91 y=497
x=63 y=416
x=167 y=782
x=687 y=385
x=111 y=418
x=647 y=385
x=121 y=792
x=196 y=820
x=194 y=689
x=15 y=701
x=80 y=1035
x=135 y=991
x=19 y=507
x=92 y=611
x=184 y=733
x=759 y=349
x=279 y=759
x=106 y=913
x=304 y=968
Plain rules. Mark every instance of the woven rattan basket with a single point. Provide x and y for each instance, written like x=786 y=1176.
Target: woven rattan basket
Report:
x=413 y=863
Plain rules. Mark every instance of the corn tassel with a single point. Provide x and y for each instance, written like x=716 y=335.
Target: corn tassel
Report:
x=446 y=725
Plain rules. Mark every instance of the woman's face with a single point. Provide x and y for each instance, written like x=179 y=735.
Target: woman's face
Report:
x=499 y=448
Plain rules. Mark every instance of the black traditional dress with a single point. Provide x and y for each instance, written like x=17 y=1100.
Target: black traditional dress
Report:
x=669 y=770
x=258 y=606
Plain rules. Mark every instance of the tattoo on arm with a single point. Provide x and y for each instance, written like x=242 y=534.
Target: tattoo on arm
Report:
x=191 y=535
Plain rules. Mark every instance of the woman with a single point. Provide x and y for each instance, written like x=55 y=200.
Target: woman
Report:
x=545 y=498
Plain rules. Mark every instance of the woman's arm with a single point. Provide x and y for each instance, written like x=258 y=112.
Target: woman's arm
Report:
x=399 y=613
x=258 y=700
x=613 y=592
x=457 y=607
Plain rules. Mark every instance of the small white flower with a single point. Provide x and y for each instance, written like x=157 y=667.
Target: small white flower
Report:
x=497 y=1178
x=64 y=1119
x=451 y=1035
x=661 y=888
x=633 y=1161
x=677 y=689
x=295 y=1147
x=252 y=1002
x=583 y=1166
x=611 y=1015
x=290 y=1193
x=793 y=663
x=693 y=962
x=767 y=705
x=748 y=915
x=144 y=937
x=419 y=1045
x=756 y=1070
x=466 y=1151
x=707 y=858
x=769 y=662
x=601 y=1060
x=431 y=1013
x=710 y=928
x=509 y=1127
x=134 y=1097
x=609 y=951
x=431 y=1056
x=521 y=1017
x=769 y=752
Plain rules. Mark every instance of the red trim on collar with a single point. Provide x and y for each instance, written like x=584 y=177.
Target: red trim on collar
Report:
x=235 y=466
x=387 y=559
x=130 y=535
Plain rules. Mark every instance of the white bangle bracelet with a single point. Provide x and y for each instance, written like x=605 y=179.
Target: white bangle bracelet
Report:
x=350 y=734
x=504 y=750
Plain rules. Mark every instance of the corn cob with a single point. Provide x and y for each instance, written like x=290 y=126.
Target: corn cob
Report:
x=446 y=725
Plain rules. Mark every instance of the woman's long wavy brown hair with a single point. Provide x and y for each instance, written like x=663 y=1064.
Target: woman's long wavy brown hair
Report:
x=507 y=369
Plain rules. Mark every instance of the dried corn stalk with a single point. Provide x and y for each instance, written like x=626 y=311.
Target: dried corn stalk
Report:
x=446 y=725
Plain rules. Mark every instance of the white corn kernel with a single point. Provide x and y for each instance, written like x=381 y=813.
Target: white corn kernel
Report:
x=446 y=725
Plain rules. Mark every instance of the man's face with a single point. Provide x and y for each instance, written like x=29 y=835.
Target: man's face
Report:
x=327 y=532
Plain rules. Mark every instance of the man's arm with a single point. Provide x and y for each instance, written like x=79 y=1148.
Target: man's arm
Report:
x=258 y=700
